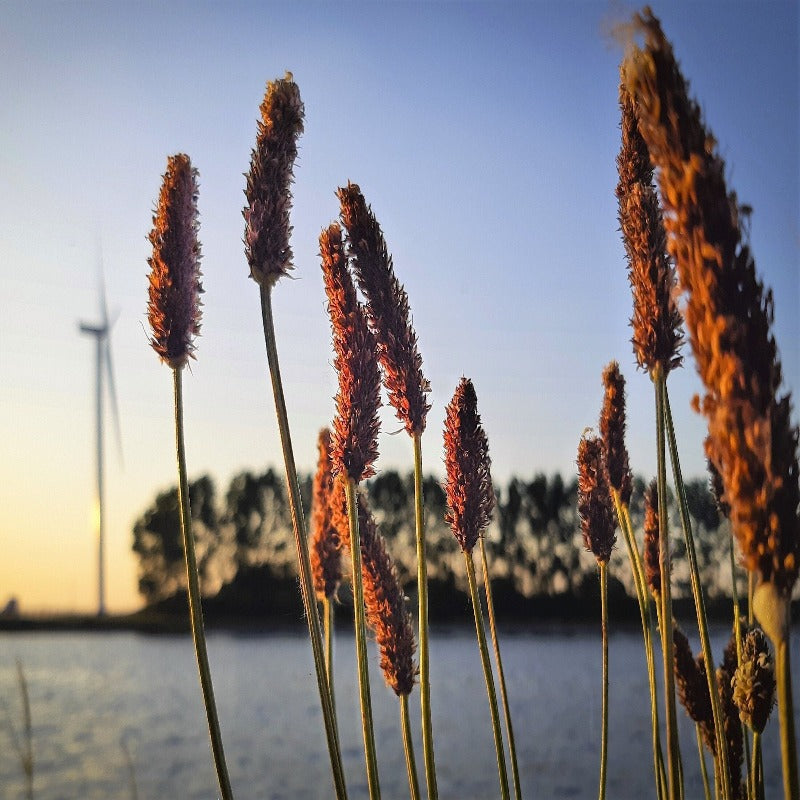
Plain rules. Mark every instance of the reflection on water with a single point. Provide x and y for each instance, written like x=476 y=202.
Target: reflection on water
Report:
x=92 y=692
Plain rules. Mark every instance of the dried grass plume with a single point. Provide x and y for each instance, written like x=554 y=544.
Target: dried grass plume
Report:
x=268 y=190
x=175 y=288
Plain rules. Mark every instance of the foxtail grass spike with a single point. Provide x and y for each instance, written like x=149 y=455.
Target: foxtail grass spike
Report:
x=268 y=190
x=652 y=567
x=470 y=501
x=386 y=610
x=754 y=681
x=325 y=549
x=388 y=310
x=269 y=255
x=469 y=492
x=174 y=313
x=729 y=315
x=354 y=440
x=175 y=287
x=612 y=432
x=594 y=500
x=656 y=321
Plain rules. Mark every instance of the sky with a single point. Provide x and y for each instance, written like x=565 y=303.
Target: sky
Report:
x=483 y=134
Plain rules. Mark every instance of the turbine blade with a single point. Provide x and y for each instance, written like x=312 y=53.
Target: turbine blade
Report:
x=102 y=285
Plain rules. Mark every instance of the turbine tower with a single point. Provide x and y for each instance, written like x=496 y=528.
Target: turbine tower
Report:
x=103 y=368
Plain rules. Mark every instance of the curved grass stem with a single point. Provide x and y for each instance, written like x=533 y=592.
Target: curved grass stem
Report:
x=328 y=625
x=487 y=674
x=361 y=643
x=193 y=590
x=643 y=598
x=512 y=749
x=675 y=781
x=408 y=747
x=699 y=603
x=301 y=544
x=424 y=652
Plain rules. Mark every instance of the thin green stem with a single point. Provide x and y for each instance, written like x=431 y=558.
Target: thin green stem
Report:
x=408 y=747
x=756 y=783
x=487 y=588
x=643 y=598
x=699 y=603
x=604 y=628
x=193 y=588
x=751 y=584
x=675 y=782
x=424 y=652
x=791 y=788
x=301 y=543
x=328 y=625
x=361 y=643
x=703 y=769
x=487 y=674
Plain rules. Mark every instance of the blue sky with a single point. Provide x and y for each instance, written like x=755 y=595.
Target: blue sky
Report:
x=484 y=136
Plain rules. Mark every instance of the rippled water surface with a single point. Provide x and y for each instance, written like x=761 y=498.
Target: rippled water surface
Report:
x=93 y=693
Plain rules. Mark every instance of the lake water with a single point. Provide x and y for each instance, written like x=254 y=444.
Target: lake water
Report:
x=93 y=693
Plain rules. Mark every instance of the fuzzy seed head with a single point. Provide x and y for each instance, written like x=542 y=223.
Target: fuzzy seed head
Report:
x=468 y=489
x=354 y=441
x=175 y=288
x=387 y=309
x=268 y=191
x=325 y=552
x=612 y=432
x=385 y=604
x=754 y=681
x=752 y=441
x=652 y=553
x=656 y=321
x=594 y=500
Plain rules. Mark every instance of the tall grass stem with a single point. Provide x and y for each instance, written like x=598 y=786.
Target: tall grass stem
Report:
x=301 y=543
x=703 y=768
x=424 y=651
x=674 y=782
x=699 y=602
x=328 y=625
x=512 y=749
x=361 y=643
x=791 y=788
x=643 y=598
x=487 y=673
x=408 y=747
x=193 y=590
x=604 y=628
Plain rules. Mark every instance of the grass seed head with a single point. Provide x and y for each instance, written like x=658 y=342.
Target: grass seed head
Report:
x=325 y=550
x=468 y=488
x=268 y=190
x=594 y=500
x=388 y=310
x=754 y=681
x=612 y=432
x=656 y=321
x=385 y=603
x=652 y=552
x=354 y=440
x=175 y=287
x=752 y=441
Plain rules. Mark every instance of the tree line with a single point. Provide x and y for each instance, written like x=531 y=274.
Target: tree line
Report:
x=534 y=541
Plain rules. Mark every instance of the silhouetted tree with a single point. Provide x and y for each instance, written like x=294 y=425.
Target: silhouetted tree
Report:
x=158 y=543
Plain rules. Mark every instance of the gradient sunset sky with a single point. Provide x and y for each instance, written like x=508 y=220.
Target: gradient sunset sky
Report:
x=484 y=135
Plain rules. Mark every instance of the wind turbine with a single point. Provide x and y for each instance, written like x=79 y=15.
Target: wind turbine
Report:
x=103 y=368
